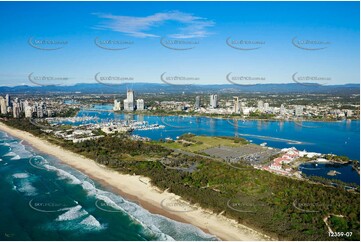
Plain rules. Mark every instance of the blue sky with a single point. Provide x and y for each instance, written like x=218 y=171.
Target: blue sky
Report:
x=276 y=27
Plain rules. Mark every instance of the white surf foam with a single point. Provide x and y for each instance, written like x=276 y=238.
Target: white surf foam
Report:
x=20 y=149
x=89 y=187
x=10 y=154
x=17 y=157
x=91 y=223
x=27 y=188
x=72 y=213
x=21 y=175
x=22 y=182
x=138 y=214
x=154 y=225
x=63 y=174
x=17 y=149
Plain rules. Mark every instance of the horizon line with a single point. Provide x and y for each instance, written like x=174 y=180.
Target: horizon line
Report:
x=180 y=85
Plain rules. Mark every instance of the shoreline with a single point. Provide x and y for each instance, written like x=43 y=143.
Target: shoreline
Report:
x=149 y=113
x=149 y=197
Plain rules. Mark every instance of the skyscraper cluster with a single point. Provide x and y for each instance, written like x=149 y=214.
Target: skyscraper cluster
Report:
x=128 y=103
x=16 y=107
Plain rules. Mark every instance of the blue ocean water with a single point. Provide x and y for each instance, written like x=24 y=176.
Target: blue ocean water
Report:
x=43 y=199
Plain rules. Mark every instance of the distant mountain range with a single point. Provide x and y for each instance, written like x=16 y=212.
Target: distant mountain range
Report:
x=160 y=87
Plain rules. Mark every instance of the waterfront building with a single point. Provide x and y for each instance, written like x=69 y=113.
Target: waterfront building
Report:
x=140 y=104
x=7 y=99
x=197 y=105
x=23 y=105
x=3 y=105
x=129 y=102
x=266 y=107
x=28 y=111
x=260 y=105
x=242 y=107
x=180 y=108
x=236 y=105
x=117 y=105
x=348 y=113
x=40 y=109
x=128 y=106
x=282 y=110
x=298 y=110
x=16 y=110
x=213 y=101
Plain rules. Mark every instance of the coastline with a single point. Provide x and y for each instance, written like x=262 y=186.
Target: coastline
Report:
x=138 y=188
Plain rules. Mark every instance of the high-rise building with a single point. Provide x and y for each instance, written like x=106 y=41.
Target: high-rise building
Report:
x=213 y=102
x=140 y=104
x=28 y=112
x=117 y=105
x=197 y=105
x=235 y=104
x=260 y=105
x=26 y=103
x=127 y=105
x=129 y=102
x=298 y=110
x=348 y=113
x=130 y=95
x=49 y=113
x=3 y=108
x=40 y=109
x=242 y=107
x=282 y=110
x=266 y=106
x=7 y=99
x=23 y=105
x=16 y=110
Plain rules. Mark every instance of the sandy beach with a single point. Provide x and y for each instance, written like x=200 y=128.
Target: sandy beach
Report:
x=138 y=188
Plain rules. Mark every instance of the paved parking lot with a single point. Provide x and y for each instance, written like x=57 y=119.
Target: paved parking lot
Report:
x=251 y=154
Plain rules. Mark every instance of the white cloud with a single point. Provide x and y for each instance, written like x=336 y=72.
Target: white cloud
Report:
x=141 y=27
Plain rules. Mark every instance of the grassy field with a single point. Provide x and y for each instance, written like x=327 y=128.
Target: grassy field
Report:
x=200 y=143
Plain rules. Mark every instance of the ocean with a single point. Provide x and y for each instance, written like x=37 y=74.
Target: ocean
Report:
x=43 y=199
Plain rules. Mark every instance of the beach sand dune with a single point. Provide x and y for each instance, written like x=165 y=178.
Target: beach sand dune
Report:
x=138 y=188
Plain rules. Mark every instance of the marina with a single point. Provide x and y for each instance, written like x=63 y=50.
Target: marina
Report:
x=279 y=135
